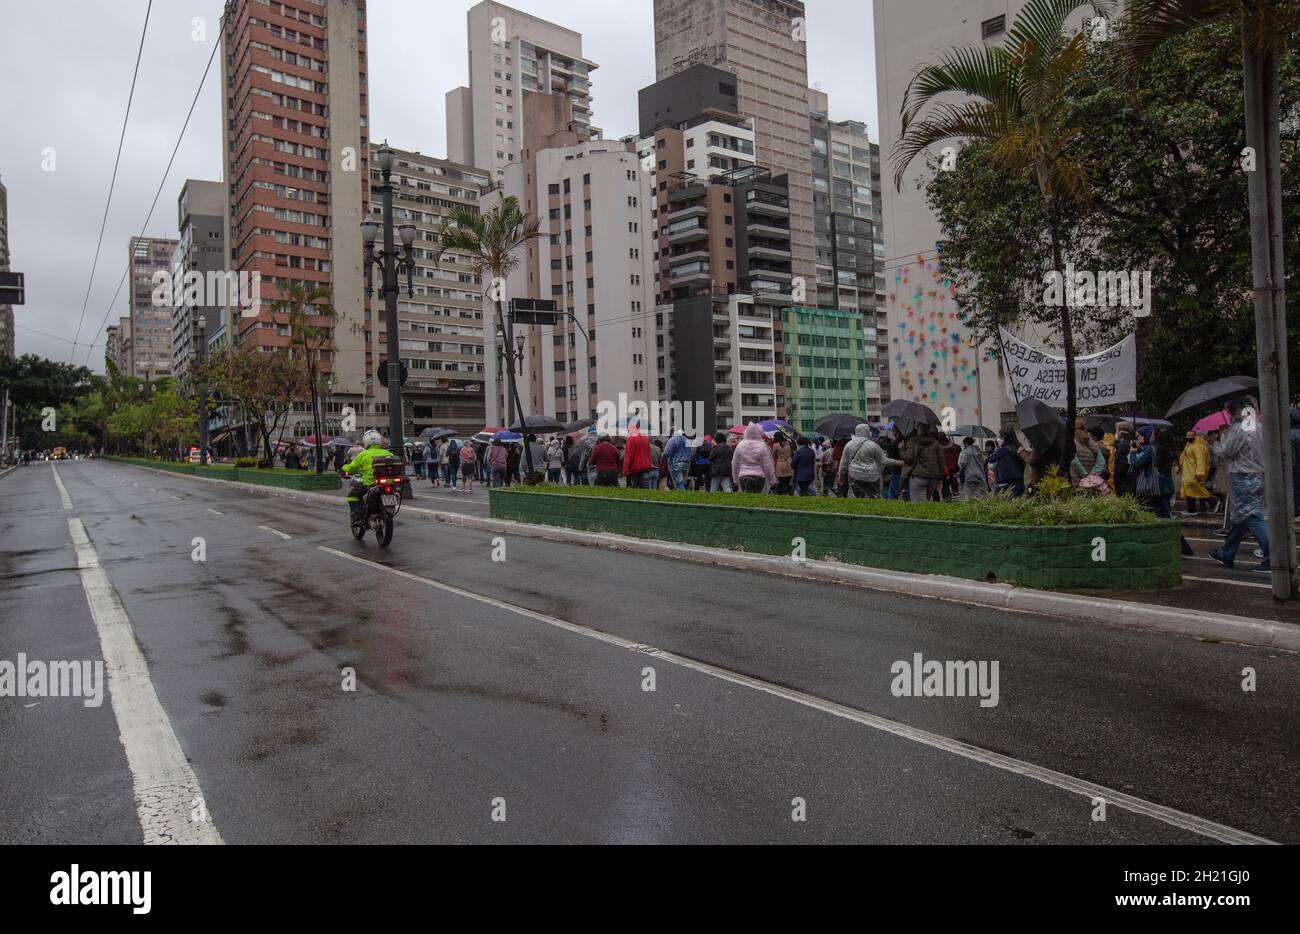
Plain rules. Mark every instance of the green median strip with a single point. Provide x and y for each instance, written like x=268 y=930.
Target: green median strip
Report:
x=285 y=479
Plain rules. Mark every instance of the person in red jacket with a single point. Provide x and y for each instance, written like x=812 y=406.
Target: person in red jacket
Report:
x=636 y=458
x=604 y=460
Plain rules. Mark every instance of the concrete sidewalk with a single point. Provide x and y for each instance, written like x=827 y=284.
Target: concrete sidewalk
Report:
x=1136 y=612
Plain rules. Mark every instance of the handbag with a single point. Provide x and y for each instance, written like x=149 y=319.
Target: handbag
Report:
x=1148 y=482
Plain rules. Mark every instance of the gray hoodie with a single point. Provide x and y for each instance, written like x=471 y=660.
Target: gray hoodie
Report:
x=863 y=459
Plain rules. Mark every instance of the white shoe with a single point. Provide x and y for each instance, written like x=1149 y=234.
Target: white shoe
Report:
x=1259 y=553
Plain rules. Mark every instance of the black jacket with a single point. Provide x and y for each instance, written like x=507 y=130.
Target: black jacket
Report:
x=720 y=458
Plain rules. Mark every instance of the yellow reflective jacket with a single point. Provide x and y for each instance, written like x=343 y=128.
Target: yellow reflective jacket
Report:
x=364 y=462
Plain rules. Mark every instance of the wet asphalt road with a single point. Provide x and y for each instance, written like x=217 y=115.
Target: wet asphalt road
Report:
x=465 y=705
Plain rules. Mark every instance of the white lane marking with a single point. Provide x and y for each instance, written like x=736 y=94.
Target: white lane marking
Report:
x=1175 y=818
x=177 y=497
x=267 y=528
x=166 y=788
x=215 y=513
x=1226 y=580
x=63 y=490
x=152 y=490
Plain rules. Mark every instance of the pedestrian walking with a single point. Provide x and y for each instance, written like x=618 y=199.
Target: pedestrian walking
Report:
x=951 y=455
x=751 y=462
x=972 y=470
x=1241 y=450
x=1194 y=464
x=1153 y=485
x=923 y=462
x=604 y=461
x=720 y=465
x=636 y=458
x=804 y=464
x=468 y=467
x=554 y=460
x=678 y=455
x=498 y=463
x=862 y=465
x=782 y=454
x=432 y=462
x=1008 y=467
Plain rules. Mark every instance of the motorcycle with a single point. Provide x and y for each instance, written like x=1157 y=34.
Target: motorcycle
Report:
x=381 y=502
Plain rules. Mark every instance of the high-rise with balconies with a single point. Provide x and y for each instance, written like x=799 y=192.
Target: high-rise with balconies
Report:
x=511 y=56
x=151 y=322
x=295 y=147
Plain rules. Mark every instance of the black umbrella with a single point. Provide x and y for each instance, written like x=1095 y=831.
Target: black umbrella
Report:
x=838 y=424
x=437 y=434
x=1043 y=426
x=579 y=425
x=537 y=425
x=1104 y=422
x=907 y=415
x=973 y=431
x=1213 y=394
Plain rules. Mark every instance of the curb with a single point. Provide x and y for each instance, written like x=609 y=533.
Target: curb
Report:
x=1198 y=624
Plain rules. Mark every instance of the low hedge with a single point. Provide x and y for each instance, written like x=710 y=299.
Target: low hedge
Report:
x=991 y=510
x=1046 y=545
x=287 y=479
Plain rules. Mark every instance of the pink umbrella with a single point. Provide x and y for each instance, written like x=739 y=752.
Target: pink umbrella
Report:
x=1213 y=422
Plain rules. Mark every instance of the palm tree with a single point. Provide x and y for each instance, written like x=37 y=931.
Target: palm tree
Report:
x=1015 y=103
x=301 y=305
x=1267 y=29
x=492 y=239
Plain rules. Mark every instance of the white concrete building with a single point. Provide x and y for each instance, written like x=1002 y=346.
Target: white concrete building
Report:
x=593 y=261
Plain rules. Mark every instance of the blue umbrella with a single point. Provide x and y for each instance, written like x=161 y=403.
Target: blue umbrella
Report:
x=507 y=436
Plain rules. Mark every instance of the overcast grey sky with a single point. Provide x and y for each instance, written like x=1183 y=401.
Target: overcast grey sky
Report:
x=65 y=66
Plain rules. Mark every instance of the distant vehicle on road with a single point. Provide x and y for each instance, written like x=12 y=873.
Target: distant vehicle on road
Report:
x=59 y=454
x=194 y=455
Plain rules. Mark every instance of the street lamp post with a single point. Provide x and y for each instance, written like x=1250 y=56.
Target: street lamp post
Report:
x=202 y=354
x=390 y=261
x=510 y=358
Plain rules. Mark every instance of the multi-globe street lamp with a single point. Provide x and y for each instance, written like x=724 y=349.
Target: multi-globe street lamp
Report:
x=391 y=261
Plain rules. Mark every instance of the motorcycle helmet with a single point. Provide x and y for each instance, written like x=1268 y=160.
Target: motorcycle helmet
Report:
x=371 y=438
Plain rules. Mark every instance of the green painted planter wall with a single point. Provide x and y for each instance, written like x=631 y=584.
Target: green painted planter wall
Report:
x=1138 y=557
x=286 y=479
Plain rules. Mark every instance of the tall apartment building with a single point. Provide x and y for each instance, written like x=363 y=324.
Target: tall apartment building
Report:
x=511 y=56
x=722 y=255
x=295 y=156
x=442 y=326
x=151 y=323
x=826 y=364
x=201 y=222
x=847 y=217
x=761 y=43
x=932 y=359
x=591 y=259
x=6 y=311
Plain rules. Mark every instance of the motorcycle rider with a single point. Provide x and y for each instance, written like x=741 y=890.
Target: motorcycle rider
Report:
x=372 y=447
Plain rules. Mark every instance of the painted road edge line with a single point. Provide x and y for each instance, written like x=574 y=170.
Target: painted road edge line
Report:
x=1126 y=614
x=1167 y=815
x=166 y=789
x=284 y=535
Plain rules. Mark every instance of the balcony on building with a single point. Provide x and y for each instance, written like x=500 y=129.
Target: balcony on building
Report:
x=688 y=230
x=758 y=201
x=696 y=271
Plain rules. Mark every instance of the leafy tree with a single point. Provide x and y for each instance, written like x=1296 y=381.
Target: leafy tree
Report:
x=308 y=341
x=266 y=386
x=492 y=239
x=1013 y=102
x=35 y=383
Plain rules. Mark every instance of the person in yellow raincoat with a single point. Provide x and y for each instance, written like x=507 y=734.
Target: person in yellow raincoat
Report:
x=1194 y=465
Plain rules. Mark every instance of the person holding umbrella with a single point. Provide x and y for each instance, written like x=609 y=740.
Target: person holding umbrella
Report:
x=1242 y=451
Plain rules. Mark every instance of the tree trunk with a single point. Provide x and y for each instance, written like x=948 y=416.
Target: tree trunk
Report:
x=1067 y=349
x=1265 y=186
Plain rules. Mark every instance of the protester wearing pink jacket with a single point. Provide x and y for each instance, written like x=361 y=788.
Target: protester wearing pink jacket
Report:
x=751 y=463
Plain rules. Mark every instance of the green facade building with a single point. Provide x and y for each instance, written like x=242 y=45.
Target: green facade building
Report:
x=825 y=364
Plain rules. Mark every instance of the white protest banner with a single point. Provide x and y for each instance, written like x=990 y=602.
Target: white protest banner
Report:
x=1101 y=378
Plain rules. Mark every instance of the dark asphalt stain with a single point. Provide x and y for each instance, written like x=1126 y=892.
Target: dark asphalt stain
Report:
x=234 y=631
x=214 y=699
x=1019 y=833
x=599 y=723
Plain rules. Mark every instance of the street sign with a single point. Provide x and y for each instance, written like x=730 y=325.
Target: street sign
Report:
x=383 y=373
x=13 y=289
x=533 y=311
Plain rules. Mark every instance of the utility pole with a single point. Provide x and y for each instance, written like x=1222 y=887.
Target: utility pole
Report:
x=1265 y=190
x=202 y=354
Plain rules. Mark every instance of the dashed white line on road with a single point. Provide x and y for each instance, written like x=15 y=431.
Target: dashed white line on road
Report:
x=166 y=789
x=215 y=513
x=267 y=528
x=63 y=490
x=178 y=497
x=1090 y=790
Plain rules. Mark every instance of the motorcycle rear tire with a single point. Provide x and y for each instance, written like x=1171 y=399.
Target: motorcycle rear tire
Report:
x=385 y=531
